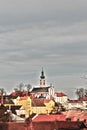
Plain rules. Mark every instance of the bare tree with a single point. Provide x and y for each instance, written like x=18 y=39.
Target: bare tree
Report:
x=16 y=89
x=81 y=92
x=85 y=92
x=28 y=87
x=20 y=86
x=2 y=91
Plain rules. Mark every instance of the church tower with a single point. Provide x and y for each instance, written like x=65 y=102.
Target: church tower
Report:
x=42 y=79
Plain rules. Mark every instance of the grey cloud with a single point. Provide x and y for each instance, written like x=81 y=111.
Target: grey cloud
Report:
x=16 y=12
x=38 y=42
x=49 y=34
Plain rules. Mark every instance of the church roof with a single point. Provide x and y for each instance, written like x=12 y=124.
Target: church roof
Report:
x=40 y=89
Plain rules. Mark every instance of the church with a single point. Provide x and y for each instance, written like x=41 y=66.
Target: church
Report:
x=43 y=91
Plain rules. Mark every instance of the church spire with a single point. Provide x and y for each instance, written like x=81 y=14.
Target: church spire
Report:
x=42 y=79
x=42 y=74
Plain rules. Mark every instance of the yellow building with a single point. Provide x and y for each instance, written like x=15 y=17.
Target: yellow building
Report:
x=37 y=105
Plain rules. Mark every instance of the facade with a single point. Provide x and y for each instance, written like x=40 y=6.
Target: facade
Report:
x=82 y=103
x=73 y=104
x=84 y=100
x=45 y=92
x=61 y=98
x=37 y=105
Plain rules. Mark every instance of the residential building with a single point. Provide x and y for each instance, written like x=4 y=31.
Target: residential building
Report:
x=62 y=98
x=37 y=105
x=84 y=100
x=81 y=104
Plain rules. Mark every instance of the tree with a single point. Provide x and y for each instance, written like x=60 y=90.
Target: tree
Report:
x=28 y=87
x=85 y=92
x=20 y=86
x=2 y=91
x=81 y=92
x=16 y=89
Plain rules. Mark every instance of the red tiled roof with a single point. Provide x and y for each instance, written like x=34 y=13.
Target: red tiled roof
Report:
x=60 y=94
x=23 y=98
x=19 y=93
x=13 y=93
x=61 y=125
x=75 y=101
x=47 y=100
x=76 y=115
x=38 y=102
x=45 y=117
x=84 y=98
x=81 y=116
x=70 y=125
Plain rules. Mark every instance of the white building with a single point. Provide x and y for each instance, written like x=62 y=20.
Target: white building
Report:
x=61 y=98
x=74 y=104
x=82 y=103
x=43 y=91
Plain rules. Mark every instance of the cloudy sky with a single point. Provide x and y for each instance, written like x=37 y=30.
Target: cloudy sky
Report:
x=43 y=33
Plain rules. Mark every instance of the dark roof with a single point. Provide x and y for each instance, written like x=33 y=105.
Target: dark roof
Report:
x=58 y=125
x=15 y=107
x=6 y=100
x=3 y=109
x=19 y=93
x=38 y=102
x=40 y=89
